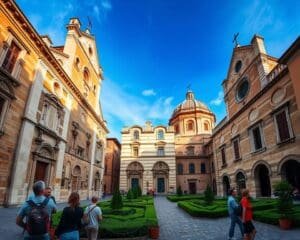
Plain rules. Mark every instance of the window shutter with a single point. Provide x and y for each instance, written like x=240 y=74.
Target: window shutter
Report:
x=236 y=149
x=11 y=57
x=283 y=129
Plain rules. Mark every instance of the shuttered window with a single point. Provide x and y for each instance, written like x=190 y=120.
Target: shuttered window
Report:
x=282 y=126
x=257 y=138
x=11 y=57
x=236 y=149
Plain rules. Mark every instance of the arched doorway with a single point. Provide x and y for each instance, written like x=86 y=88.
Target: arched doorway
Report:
x=240 y=182
x=76 y=178
x=135 y=175
x=226 y=185
x=262 y=181
x=290 y=171
x=161 y=177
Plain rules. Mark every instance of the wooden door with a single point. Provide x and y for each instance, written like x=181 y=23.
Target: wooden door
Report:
x=40 y=171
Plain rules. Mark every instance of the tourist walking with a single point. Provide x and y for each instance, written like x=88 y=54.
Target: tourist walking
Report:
x=247 y=216
x=234 y=213
x=37 y=210
x=70 y=221
x=48 y=193
x=93 y=214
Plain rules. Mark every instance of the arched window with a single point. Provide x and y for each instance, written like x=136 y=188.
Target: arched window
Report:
x=206 y=126
x=86 y=75
x=136 y=135
x=176 y=129
x=190 y=125
x=192 y=168
x=77 y=63
x=160 y=135
x=179 y=169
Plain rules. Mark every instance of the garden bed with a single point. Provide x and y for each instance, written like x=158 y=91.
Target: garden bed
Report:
x=264 y=210
x=133 y=220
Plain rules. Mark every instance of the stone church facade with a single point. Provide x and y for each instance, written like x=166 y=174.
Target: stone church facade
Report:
x=148 y=159
x=258 y=142
x=51 y=124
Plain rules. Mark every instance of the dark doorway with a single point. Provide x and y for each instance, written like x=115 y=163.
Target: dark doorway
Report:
x=226 y=185
x=291 y=172
x=40 y=171
x=192 y=187
x=160 y=185
x=262 y=181
x=134 y=182
x=240 y=182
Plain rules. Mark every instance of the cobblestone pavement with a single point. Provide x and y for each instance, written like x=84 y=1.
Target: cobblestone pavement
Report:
x=9 y=230
x=175 y=224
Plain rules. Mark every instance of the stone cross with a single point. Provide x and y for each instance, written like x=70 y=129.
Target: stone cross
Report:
x=235 y=36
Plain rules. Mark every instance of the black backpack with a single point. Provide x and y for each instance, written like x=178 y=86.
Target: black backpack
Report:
x=38 y=220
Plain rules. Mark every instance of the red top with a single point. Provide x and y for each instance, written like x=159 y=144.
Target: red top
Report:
x=246 y=204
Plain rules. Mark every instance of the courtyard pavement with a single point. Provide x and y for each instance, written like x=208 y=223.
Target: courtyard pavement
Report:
x=176 y=224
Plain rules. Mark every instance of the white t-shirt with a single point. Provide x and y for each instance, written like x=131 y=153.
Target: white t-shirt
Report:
x=93 y=215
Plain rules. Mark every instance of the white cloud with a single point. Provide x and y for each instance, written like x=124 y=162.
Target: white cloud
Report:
x=123 y=109
x=217 y=101
x=100 y=11
x=106 y=5
x=149 y=92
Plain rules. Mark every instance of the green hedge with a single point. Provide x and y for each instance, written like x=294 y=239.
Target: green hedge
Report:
x=175 y=198
x=133 y=220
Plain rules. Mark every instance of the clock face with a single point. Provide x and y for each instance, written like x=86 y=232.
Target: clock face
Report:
x=242 y=89
x=238 y=66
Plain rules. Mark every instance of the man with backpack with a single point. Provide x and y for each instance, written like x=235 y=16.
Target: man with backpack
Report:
x=37 y=211
x=92 y=216
x=235 y=211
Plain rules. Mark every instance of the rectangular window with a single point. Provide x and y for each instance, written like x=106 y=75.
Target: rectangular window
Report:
x=223 y=155
x=160 y=151
x=203 y=168
x=256 y=138
x=283 y=129
x=192 y=168
x=135 y=151
x=80 y=152
x=236 y=149
x=11 y=57
x=2 y=102
x=179 y=169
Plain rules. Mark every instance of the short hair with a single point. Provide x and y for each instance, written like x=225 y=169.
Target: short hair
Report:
x=231 y=190
x=74 y=199
x=38 y=187
x=95 y=199
x=48 y=188
x=245 y=192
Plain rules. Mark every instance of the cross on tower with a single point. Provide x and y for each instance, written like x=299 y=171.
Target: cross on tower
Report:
x=235 y=39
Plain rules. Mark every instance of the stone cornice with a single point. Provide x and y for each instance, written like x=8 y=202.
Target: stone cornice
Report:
x=48 y=56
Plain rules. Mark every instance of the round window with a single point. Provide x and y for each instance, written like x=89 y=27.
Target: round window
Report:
x=242 y=89
x=238 y=66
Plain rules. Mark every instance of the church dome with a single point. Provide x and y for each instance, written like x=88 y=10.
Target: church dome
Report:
x=190 y=104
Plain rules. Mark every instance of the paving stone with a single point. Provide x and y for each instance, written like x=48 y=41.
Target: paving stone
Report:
x=176 y=224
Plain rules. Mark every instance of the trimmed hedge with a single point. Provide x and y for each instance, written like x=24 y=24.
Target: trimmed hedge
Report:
x=133 y=220
x=175 y=198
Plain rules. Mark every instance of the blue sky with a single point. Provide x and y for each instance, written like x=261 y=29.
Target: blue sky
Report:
x=151 y=50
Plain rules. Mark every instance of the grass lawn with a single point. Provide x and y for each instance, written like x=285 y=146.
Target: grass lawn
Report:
x=264 y=210
x=132 y=220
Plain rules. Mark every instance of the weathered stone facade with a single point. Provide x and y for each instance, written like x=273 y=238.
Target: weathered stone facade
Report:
x=258 y=143
x=111 y=177
x=148 y=159
x=51 y=125
x=193 y=123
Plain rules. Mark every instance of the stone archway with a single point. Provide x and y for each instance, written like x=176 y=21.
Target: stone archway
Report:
x=240 y=182
x=290 y=170
x=135 y=172
x=161 y=177
x=76 y=178
x=226 y=185
x=262 y=180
